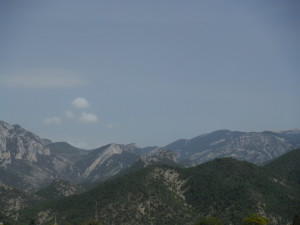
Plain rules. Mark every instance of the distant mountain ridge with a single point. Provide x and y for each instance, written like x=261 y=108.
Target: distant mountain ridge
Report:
x=30 y=162
x=256 y=147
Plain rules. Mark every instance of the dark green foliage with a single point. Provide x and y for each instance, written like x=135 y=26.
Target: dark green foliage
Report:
x=224 y=188
x=31 y=222
x=4 y=219
x=48 y=192
x=1 y=216
x=117 y=201
x=286 y=167
x=296 y=220
x=232 y=189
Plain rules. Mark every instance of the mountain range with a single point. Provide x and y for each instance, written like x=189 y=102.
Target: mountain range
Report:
x=30 y=162
x=227 y=174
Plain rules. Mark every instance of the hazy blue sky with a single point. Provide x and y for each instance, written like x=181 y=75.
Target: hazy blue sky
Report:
x=148 y=72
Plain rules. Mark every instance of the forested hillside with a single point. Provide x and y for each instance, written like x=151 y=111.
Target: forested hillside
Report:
x=225 y=188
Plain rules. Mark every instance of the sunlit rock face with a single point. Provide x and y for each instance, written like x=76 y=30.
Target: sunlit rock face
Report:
x=21 y=152
x=26 y=158
x=17 y=143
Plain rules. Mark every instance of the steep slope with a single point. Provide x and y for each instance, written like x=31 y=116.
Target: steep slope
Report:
x=225 y=188
x=256 y=147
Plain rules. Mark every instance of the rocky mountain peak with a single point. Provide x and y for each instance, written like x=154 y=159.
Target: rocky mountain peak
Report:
x=18 y=143
x=4 y=125
x=130 y=147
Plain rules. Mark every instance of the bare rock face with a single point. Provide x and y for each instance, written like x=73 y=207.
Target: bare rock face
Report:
x=17 y=143
x=21 y=152
x=28 y=161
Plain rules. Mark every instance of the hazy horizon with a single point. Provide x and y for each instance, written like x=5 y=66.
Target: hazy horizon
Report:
x=148 y=72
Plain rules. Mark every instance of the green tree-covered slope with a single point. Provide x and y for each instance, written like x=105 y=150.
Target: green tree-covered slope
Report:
x=286 y=167
x=225 y=188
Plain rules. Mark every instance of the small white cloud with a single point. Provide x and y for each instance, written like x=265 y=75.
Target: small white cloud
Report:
x=112 y=126
x=52 y=120
x=88 y=118
x=42 y=79
x=69 y=114
x=80 y=103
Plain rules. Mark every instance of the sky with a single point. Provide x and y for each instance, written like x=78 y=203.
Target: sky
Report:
x=148 y=72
